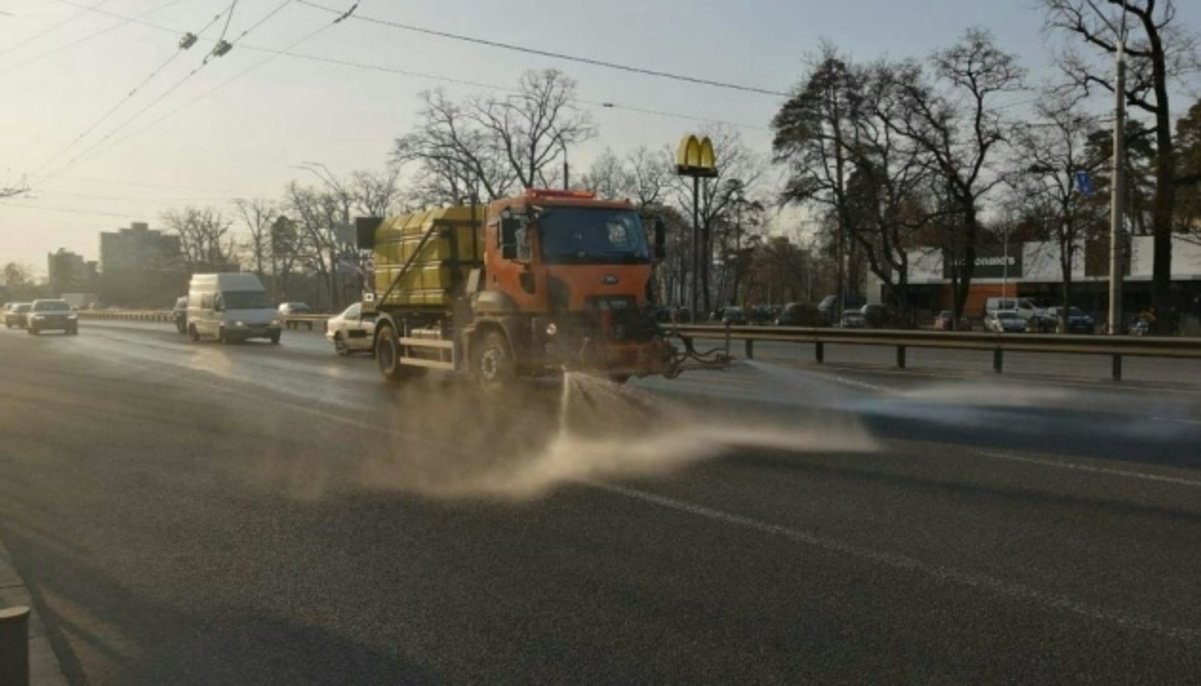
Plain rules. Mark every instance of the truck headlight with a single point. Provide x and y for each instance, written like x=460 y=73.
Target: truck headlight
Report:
x=239 y=324
x=274 y=322
x=72 y=316
x=551 y=329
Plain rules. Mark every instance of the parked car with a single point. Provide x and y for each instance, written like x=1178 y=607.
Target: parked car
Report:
x=1023 y=307
x=881 y=317
x=179 y=314
x=760 y=314
x=294 y=308
x=351 y=331
x=15 y=315
x=1004 y=321
x=51 y=315
x=829 y=304
x=853 y=319
x=799 y=314
x=733 y=316
x=1078 y=320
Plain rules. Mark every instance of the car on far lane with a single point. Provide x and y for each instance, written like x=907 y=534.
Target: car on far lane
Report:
x=352 y=331
x=51 y=315
x=799 y=314
x=179 y=314
x=1078 y=320
x=945 y=321
x=1004 y=321
x=15 y=315
x=286 y=309
x=733 y=316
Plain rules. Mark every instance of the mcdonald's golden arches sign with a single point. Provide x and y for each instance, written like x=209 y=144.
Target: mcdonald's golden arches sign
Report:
x=695 y=157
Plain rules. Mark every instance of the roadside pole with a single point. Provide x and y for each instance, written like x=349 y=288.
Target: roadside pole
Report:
x=695 y=158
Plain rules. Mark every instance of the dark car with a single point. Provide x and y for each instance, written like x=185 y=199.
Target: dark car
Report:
x=829 y=304
x=51 y=315
x=294 y=308
x=1078 y=321
x=881 y=317
x=733 y=316
x=15 y=315
x=799 y=314
x=179 y=314
x=945 y=321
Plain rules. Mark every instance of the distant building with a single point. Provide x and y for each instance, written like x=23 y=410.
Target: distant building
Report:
x=137 y=246
x=140 y=267
x=69 y=272
x=1032 y=269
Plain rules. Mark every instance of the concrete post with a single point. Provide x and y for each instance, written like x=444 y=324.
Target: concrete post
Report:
x=14 y=646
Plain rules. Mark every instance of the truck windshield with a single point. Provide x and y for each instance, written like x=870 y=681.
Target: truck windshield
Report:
x=578 y=235
x=245 y=300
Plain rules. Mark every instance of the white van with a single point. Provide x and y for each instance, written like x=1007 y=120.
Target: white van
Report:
x=230 y=307
x=1024 y=307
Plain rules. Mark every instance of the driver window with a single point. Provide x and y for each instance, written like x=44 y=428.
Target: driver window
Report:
x=353 y=312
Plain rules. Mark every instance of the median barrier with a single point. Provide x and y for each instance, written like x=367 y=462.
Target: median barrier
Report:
x=1116 y=347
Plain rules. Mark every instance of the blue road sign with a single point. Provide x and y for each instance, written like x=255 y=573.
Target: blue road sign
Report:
x=1084 y=183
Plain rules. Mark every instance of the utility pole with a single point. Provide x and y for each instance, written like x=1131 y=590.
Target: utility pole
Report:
x=1117 y=209
x=1117 y=193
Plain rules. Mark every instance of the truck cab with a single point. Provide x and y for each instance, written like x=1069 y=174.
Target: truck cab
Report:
x=564 y=281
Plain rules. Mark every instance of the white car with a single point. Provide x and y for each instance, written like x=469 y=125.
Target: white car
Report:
x=1005 y=321
x=351 y=331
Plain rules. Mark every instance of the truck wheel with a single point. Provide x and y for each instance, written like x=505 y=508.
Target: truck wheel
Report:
x=31 y=331
x=387 y=355
x=492 y=363
x=275 y=338
x=221 y=337
x=193 y=334
x=340 y=346
x=619 y=379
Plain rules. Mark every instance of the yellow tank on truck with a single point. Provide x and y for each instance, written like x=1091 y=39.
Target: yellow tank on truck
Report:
x=437 y=273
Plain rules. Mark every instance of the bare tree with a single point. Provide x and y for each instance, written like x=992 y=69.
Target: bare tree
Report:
x=961 y=130
x=534 y=127
x=204 y=237
x=456 y=159
x=1159 y=52
x=1049 y=153
x=317 y=215
x=258 y=216
x=375 y=194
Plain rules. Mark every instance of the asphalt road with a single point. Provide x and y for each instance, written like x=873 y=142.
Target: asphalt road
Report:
x=195 y=513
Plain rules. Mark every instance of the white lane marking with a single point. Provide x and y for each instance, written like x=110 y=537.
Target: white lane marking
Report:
x=1096 y=470
x=1177 y=420
x=906 y=563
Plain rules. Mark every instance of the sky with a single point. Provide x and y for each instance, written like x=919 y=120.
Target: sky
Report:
x=242 y=124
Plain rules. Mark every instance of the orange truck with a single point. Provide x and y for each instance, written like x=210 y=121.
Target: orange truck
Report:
x=525 y=286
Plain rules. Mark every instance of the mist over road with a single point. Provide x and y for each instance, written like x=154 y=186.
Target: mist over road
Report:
x=197 y=513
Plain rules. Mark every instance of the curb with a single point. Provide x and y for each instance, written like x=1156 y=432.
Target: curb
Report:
x=44 y=668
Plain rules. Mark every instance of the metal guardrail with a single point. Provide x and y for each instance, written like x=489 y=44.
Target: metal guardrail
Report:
x=291 y=321
x=1116 y=347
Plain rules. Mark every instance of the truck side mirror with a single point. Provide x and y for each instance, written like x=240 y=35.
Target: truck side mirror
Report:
x=660 y=239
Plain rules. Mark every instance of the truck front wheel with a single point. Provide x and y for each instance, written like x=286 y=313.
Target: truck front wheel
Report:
x=492 y=363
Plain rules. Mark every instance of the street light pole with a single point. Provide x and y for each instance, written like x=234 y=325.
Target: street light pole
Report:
x=1117 y=193
x=1117 y=213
